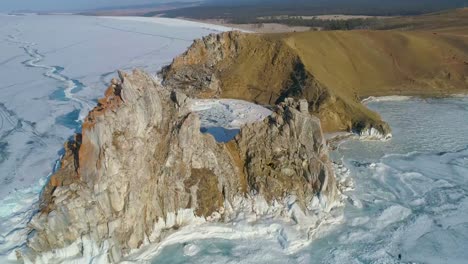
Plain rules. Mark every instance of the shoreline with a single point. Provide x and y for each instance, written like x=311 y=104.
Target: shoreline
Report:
x=264 y=28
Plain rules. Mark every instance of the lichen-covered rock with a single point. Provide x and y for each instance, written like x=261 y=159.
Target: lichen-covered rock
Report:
x=141 y=169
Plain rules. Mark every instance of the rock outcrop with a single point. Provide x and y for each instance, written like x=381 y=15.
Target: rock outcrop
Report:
x=264 y=70
x=142 y=169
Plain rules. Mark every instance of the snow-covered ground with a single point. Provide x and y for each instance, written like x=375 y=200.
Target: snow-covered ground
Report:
x=52 y=70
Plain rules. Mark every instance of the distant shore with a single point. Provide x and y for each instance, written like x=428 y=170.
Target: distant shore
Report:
x=253 y=27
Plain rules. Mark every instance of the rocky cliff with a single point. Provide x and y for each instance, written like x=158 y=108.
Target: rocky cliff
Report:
x=141 y=169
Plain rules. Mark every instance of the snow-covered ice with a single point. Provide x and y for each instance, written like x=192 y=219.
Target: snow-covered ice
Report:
x=413 y=190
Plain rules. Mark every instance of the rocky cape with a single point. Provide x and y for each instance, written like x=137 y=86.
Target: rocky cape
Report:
x=265 y=71
x=333 y=70
x=141 y=169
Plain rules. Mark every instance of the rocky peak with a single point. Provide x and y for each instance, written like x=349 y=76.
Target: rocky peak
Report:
x=142 y=169
x=211 y=49
x=194 y=71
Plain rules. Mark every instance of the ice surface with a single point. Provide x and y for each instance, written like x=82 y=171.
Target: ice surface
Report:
x=176 y=23
x=414 y=188
x=52 y=70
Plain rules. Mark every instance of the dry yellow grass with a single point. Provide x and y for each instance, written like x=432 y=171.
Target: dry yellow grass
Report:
x=384 y=62
x=357 y=64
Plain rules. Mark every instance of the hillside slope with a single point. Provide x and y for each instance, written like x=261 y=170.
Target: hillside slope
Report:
x=384 y=62
x=333 y=70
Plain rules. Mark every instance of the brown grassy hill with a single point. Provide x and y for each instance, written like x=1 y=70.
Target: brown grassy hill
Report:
x=334 y=70
x=384 y=62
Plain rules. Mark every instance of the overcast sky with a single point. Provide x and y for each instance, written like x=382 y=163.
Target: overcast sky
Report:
x=63 y=5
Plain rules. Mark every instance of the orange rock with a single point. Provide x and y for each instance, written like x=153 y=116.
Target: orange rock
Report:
x=54 y=181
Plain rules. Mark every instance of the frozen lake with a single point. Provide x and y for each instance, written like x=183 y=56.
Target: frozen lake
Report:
x=52 y=70
x=410 y=202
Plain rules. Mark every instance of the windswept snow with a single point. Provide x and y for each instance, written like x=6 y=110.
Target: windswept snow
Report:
x=175 y=22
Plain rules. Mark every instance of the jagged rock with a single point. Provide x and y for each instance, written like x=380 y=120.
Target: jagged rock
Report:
x=286 y=154
x=194 y=72
x=141 y=169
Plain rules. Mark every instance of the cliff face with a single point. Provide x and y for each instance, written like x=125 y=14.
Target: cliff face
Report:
x=141 y=169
